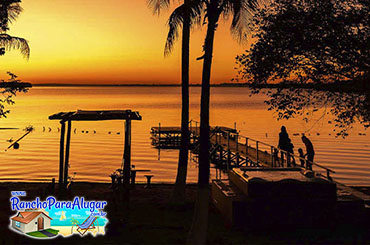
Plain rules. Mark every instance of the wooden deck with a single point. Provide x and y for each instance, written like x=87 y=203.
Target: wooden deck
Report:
x=228 y=149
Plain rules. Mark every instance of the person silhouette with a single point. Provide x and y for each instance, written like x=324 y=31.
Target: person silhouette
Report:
x=310 y=152
x=286 y=145
x=301 y=154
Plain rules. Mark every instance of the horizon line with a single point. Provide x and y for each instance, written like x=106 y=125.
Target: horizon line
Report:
x=127 y=85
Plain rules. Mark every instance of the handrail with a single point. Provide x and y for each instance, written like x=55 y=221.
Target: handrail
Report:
x=288 y=153
x=328 y=170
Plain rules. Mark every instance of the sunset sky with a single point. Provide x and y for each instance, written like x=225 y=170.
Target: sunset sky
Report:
x=110 y=41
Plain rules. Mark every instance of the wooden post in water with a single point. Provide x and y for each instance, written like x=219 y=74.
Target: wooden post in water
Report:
x=61 y=153
x=272 y=157
x=68 y=144
x=246 y=151
x=196 y=127
x=237 y=149
x=220 y=157
x=257 y=151
x=159 y=135
x=228 y=151
x=190 y=132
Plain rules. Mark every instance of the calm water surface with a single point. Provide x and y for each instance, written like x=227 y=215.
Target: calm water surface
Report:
x=94 y=156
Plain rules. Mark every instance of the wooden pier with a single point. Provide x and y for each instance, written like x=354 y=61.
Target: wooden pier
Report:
x=228 y=149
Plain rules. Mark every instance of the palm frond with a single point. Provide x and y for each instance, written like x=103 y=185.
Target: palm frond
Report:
x=9 y=11
x=158 y=5
x=174 y=23
x=176 y=20
x=9 y=42
x=13 y=11
x=242 y=11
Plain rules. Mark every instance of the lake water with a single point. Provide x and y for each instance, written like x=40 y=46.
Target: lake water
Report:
x=94 y=156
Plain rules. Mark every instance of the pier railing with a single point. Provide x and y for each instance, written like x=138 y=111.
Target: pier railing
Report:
x=262 y=152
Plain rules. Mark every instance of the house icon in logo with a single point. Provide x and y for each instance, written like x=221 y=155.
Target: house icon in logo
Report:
x=31 y=220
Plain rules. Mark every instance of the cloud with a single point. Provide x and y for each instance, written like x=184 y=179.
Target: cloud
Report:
x=58 y=213
x=87 y=212
x=75 y=215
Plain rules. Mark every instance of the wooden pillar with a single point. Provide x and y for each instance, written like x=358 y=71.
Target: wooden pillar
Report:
x=246 y=151
x=159 y=135
x=61 y=152
x=220 y=156
x=127 y=153
x=68 y=144
x=228 y=151
x=257 y=151
x=237 y=149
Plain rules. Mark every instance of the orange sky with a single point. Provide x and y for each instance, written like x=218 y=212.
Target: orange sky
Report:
x=110 y=41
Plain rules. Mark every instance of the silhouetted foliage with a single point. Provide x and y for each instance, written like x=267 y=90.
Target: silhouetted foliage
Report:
x=9 y=90
x=309 y=41
x=338 y=108
x=312 y=42
x=9 y=12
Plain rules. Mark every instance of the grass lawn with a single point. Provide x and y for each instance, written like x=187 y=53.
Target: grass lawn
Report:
x=55 y=232
x=36 y=234
x=39 y=234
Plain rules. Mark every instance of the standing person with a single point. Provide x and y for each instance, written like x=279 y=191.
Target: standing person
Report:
x=286 y=145
x=310 y=151
x=301 y=154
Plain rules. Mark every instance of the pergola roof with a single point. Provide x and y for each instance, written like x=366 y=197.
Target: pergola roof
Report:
x=84 y=115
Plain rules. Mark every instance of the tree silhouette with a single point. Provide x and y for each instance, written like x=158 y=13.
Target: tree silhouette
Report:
x=183 y=16
x=9 y=92
x=9 y=11
x=241 y=11
x=315 y=44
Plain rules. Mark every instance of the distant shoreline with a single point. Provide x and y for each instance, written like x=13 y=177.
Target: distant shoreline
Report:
x=135 y=85
x=340 y=86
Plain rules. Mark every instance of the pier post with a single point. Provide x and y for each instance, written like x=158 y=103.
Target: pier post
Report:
x=257 y=151
x=190 y=133
x=220 y=157
x=228 y=151
x=246 y=151
x=61 y=153
x=272 y=157
x=159 y=135
x=237 y=149
x=68 y=144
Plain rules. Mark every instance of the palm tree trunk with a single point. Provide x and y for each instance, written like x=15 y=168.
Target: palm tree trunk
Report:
x=198 y=231
x=178 y=195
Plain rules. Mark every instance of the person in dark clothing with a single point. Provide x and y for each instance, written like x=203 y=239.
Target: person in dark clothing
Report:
x=310 y=151
x=286 y=145
x=301 y=154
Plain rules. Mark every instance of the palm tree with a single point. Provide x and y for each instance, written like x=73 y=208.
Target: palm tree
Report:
x=9 y=11
x=185 y=15
x=241 y=11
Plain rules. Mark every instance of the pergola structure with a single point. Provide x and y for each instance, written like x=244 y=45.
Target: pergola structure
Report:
x=83 y=115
